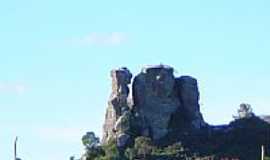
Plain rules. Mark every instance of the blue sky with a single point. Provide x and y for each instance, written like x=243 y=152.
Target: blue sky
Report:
x=55 y=59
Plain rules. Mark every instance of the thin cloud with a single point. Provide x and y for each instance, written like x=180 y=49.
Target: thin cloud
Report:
x=13 y=88
x=108 y=39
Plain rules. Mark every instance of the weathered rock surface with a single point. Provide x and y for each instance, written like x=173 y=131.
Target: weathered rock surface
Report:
x=118 y=102
x=189 y=95
x=155 y=99
x=122 y=140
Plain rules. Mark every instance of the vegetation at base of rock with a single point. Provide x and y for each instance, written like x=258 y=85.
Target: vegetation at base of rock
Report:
x=241 y=139
x=143 y=149
x=105 y=152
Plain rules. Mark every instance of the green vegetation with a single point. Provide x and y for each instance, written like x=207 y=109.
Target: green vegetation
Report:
x=266 y=158
x=90 y=140
x=142 y=149
x=240 y=140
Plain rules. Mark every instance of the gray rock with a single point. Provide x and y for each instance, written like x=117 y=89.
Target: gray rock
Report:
x=155 y=99
x=123 y=123
x=158 y=98
x=122 y=140
x=118 y=102
x=189 y=95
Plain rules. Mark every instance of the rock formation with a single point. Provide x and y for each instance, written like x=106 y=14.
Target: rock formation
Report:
x=158 y=96
x=115 y=120
x=165 y=110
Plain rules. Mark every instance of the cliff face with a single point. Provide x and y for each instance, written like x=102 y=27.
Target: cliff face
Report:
x=158 y=98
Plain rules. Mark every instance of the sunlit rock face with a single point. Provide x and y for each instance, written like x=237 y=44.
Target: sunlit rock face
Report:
x=118 y=102
x=159 y=99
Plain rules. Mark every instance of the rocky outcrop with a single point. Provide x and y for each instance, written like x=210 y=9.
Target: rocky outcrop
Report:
x=165 y=109
x=118 y=104
x=157 y=96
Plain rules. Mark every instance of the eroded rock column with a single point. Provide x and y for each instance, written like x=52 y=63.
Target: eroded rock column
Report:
x=117 y=105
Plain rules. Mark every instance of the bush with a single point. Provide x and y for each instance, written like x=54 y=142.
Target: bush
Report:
x=90 y=140
x=92 y=146
x=266 y=158
x=245 y=111
x=111 y=152
x=94 y=153
x=143 y=147
x=130 y=153
x=173 y=150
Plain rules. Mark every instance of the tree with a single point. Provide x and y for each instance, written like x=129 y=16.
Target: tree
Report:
x=245 y=111
x=92 y=146
x=89 y=140
x=72 y=158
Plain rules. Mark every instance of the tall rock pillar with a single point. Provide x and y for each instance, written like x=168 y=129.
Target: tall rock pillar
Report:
x=118 y=102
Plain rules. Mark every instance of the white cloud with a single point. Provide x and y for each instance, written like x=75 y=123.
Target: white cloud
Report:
x=13 y=88
x=113 y=38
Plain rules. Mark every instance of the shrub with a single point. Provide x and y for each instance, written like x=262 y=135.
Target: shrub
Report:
x=266 y=158
x=130 y=153
x=89 y=140
x=111 y=152
x=174 y=150
x=245 y=111
x=92 y=146
x=143 y=147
